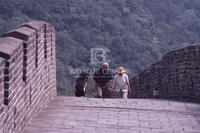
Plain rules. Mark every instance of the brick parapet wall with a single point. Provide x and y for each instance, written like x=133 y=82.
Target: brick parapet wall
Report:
x=176 y=76
x=29 y=73
x=2 y=64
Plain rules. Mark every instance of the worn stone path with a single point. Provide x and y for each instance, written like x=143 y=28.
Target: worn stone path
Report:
x=90 y=115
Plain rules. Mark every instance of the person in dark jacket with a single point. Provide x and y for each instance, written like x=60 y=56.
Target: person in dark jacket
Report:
x=80 y=85
x=102 y=81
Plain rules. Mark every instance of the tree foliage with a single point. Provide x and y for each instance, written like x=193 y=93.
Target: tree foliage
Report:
x=137 y=32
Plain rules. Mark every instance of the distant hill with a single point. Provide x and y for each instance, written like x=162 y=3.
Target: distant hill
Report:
x=137 y=32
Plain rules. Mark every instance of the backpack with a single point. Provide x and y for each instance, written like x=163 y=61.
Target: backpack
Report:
x=80 y=84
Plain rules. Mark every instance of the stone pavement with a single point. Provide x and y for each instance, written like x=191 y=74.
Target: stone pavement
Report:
x=90 y=115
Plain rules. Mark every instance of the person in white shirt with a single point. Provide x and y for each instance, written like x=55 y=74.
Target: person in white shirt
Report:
x=121 y=85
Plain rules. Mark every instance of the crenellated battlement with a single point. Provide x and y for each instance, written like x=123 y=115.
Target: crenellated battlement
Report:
x=27 y=74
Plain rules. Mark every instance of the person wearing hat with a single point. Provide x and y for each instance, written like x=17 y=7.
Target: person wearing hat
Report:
x=121 y=85
x=102 y=80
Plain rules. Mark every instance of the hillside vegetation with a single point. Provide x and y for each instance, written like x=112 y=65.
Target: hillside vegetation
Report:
x=137 y=32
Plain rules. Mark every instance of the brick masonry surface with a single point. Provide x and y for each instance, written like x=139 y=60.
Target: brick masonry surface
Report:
x=27 y=74
x=2 y=63
x=176 y=76
x=90 y=115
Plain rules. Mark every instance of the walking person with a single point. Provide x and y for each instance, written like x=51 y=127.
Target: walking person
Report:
x=80 y=85
x=121 y=85
x=102 y=79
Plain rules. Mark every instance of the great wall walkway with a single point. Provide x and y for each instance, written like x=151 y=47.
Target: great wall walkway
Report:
x=28 y=101
x=89 y=115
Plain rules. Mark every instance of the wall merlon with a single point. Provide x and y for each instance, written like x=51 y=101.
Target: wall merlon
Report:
x=36 y=25
x=22 y=33
x=9 y=46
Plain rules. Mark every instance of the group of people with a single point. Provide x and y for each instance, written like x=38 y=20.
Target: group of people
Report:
x=104 y=83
